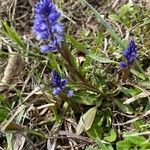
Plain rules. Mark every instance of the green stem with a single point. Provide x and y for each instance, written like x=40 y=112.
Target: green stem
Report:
x=39 y=134
x=140 y=68
x=67 y=56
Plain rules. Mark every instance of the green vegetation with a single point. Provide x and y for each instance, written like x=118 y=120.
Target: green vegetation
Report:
x=110 y=106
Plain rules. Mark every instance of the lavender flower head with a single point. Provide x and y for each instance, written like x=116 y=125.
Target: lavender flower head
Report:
x=59 y=84
x=47 y=26
x=130 y=54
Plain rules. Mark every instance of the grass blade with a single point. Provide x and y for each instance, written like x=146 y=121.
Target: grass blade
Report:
x=106 y=25
x=102 y=59
x=13 y=35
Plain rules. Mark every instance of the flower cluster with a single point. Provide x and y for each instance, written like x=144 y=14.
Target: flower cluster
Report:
x=130 y=54
x=59 y=84
x=47 y=26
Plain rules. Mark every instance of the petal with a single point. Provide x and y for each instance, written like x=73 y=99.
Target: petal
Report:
x=70 y=93
x=44 y=48
x=56 y=78
x=57 y=28
x=42 y=7
x=132 y=46
x=44 y=26
x=58 y=39
x=56 y=91
x=123 y=65
x=125 y=53
x=42 y=36
x=64 y=82
x=53 y=17
x=133 y=54
x=40 y=28
x=132 y=59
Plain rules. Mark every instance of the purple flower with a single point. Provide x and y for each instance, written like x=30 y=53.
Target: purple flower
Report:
x=58 y=83
x=56 y=79
x=47 y=26
x=63 y=83
x=123 y=64
x=130 y=54
x=57 y=91
x=70 y=93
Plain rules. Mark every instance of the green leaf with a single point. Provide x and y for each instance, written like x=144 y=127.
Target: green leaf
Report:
x=137 y=125
x=90 y=115
x=124 y=145
x=101 y=144
x=53 y=63
x=101 y=59
x=114 y=17
x=100 y=36
x=131 y=91
x=86 y=120
x=123 y=107
x=112 y=137
x=3 y=101
x=78 y=45
x=84 y=97
x=136 y=140
x=145 y=23
x=96 y=129
x=145 y=145
x=132 y=141
x=138 y=65
x=138 y=74
x=3 y=114
x=13 y=35
x=134 y=91
x=125 y=8
x=80 y=126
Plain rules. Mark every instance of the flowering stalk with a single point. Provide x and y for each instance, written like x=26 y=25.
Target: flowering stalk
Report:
x=59 y=84
x=68 y=57
x=130 y=54
x=47 y=26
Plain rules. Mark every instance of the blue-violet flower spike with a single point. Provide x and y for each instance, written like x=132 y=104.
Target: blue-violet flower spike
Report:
x=123 y=64
x=47 y=26
x=130 y=54
x=58 y=83
x=56 y=79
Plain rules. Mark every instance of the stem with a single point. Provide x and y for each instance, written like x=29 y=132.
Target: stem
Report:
x=39 y=134
x=67 y=56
